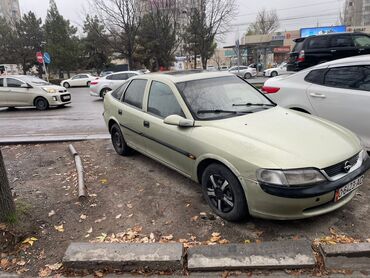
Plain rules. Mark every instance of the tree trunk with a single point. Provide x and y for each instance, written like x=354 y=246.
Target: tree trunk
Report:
x=7 y=206
x=204 y=63
x=195 y=60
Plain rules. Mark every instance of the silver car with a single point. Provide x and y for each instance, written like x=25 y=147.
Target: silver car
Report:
x=244 y=71
x=99 y=87
x=24 y=90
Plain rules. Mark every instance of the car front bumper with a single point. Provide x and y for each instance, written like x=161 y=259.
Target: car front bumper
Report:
x=279 y=203
x=59 y=99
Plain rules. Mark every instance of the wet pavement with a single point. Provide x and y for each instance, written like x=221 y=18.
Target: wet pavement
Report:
x=83 y=117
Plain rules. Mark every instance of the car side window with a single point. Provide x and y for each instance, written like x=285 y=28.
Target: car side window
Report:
x=316 y=76
x=117 y=94
x=120 y=76
x=75 y=77
x=83 y=76
x=135 y=93
x=364 y=84
x=1 y=82
x=361 y=41
x=344 y=77
x=162 y=102
x=318 y=42
x=341 y=41
x=13 y=83
x=131 y=75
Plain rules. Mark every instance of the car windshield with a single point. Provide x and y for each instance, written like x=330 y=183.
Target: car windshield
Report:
x=34 y=80
x=222 y=97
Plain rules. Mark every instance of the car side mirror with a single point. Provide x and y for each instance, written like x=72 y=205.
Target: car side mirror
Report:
x=26 y=86
x=178 y=121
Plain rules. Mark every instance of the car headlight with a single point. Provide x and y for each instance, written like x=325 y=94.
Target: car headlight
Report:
x=364 y=155
x=290 y=177
x=49 y=90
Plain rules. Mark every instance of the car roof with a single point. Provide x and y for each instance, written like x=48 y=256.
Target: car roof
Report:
x=183 y=76
x=354 y=60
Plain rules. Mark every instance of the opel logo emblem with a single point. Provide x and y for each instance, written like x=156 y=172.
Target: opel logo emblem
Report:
x=347 y=166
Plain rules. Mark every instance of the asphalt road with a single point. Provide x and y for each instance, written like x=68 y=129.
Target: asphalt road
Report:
x=82 y=118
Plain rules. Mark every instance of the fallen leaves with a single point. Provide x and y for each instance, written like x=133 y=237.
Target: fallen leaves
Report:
x=335 y=238
x=103 y=181
x=44 y=272
x=130 y=206
x=29 y=240
x=59 y=228
x=2 y=226
x=4 y=263
x=118 y=216
x=54 y=267
x=102 y=237
x=83 y=217
x=51 y=213
x=100 y=219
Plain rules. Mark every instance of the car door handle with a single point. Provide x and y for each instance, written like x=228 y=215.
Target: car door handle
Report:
x=317 y=95
x=120 y=111
x=146 y=124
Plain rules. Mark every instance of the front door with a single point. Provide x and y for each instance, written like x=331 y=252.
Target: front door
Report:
x=345 y=99
x=16 y=95
x=167 y=143
x=3 y=93
x=342 y=46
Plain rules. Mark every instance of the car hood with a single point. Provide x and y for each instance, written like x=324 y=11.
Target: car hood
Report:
x=282 y=138
x=60 y=89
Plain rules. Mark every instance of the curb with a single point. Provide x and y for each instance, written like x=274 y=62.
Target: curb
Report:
x=267 y=255
x=124 y=256
x=354 y=256
x=50 y=139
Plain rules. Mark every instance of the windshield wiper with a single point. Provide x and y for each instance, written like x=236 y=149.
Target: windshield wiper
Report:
x=254 y=104
x=217 y=111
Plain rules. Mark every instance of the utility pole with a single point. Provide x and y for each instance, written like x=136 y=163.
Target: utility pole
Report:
x=7 y=206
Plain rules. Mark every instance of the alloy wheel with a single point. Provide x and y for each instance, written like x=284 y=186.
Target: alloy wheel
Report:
x=220 y=193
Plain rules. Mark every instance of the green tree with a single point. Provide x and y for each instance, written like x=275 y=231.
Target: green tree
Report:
x=61 y=41
x=7 y=43
x=158 y=38
x=96 y=50
x=28 y=39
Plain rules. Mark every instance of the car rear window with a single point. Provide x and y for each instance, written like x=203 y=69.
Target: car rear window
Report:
x=316 y=76
x=298 y=46
x=135 y=93
x=318 y=42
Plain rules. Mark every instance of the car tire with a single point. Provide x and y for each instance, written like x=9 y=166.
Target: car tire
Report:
x=103 y=92
x=223 y=193
x=247 y=75
x=274 y=74
x=119 y=142
x=88 y=83
x=66 y=85
x=41 y=104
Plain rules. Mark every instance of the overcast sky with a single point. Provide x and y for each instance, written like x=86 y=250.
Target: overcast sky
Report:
x=294 y=14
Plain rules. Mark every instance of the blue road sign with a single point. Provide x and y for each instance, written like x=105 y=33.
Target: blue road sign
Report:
x=47 y=58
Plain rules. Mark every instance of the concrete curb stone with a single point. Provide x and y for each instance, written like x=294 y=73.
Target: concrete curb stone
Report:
x=124 y=256
x=354 y=256
x=267 y=255
x=50 y=139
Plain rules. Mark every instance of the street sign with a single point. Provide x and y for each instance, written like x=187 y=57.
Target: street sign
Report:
x=47 y=58
x=39 y=57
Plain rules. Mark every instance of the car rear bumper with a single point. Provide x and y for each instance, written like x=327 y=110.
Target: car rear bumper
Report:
x=94 y=94
x=300 y=203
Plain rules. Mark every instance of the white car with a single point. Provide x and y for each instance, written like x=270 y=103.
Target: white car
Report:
x=79 y=80
x=99 y=87
x=338 y=91
x=279 y=70
x=24 y=90
x=244 y=71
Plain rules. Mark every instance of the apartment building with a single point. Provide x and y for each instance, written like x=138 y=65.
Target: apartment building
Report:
x=9 y=9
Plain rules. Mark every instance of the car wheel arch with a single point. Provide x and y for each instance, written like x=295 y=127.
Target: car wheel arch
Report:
x=111 y=122
x=204 y=162
x=104 y=89
x=38 y=97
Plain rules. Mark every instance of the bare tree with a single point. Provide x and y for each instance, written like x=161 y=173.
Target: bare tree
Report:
x=266 y=22
x=206 y=23
x=122 y=20
x=7 y=207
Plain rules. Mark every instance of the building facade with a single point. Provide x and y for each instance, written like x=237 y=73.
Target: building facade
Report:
x=357 y=13
x=9 y=9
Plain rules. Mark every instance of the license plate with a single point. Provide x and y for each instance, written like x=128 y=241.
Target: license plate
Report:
x=66 y=97
x=348 y=188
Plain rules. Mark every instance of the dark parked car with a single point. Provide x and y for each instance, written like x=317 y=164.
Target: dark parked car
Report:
x=314 y=50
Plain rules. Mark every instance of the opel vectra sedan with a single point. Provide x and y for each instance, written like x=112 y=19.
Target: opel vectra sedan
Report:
x=24 y=90
x=250 y=156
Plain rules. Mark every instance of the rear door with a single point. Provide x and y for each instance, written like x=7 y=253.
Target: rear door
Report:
x=317 y=50
x=130 y=114
x=344 y=98
x=16 y=95
x=342 y=46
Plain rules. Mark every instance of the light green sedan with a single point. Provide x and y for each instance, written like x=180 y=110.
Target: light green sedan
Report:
x=251 y=157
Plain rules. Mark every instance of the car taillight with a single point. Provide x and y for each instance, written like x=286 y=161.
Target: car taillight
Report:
x=94 y=82
x=270 y=90
x=301 y=56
